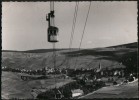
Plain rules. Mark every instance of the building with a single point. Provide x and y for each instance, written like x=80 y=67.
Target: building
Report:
x=89 y=82
x=58 y=94
x=77 y=92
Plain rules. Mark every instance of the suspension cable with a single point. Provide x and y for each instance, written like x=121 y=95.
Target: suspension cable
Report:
x=72 y=32
x=73 y=29
x=83 y=33
x=52 y=9
x=52 y=5
x=71 y=37
x=74 y=23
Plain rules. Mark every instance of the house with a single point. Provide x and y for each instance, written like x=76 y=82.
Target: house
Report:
x=125 y=82
x=131 y=78
x=58 y=94
x=64 y=76
x=116 y=73
x=51 y=70
x=98 y=80
x=3 y=67
x=89 y=82
x=77 y=92
x=101 y=73
x=110 y=79
x=79 y=77
x=46 y=68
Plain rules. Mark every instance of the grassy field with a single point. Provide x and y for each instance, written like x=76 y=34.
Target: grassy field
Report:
x=122 y=91
x=13 y=86
x=85 y=58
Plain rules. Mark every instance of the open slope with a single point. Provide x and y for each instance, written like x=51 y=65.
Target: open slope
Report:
x=85 y=58
x=122 y=91
x=14 y=87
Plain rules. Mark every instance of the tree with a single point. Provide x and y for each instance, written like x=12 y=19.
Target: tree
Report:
x=130 y=61
x=46 y=95
x=67 y=93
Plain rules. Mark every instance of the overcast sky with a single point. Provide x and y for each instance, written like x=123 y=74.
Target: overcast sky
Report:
x=24 y=24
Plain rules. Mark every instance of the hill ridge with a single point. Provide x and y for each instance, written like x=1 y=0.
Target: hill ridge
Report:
x=130 y=45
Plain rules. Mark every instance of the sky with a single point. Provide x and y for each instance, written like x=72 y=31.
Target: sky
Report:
x=24 y=25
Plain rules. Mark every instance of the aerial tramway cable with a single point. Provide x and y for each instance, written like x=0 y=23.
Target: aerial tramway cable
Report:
x=71 y=37
x=72 y=33
x=74 y=23
x=73 y=29
x=83 y=32
x=52 y=9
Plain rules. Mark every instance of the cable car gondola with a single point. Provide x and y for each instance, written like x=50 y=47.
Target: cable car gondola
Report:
x=52 y=34
x=52 y=30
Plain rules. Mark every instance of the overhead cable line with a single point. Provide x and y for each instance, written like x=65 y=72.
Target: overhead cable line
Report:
x=52 y=9
x=83 y=32
x=71 y=37
x=74 y=23
x=73 y=29
x=72 y=32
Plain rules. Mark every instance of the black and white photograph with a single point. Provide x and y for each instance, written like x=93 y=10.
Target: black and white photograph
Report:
x=69 y=50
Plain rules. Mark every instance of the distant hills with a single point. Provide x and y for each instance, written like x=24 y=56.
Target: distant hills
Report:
x=85 y=58
x=129 y=45
x=33 y=51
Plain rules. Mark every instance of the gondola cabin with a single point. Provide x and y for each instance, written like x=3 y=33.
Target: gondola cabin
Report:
x=52 y=34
